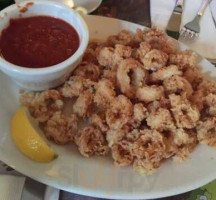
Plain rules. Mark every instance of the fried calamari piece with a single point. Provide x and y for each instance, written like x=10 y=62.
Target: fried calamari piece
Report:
x=76 y=85
x=177 y=85
x=164 y=73
x=197 y=99
x=124 y=37
x=185 y=114
x=42 y=105
x=130 y=76
x=186 y=141
x=105 y=93
x=140 y=112
x=88 y=71
x=194 y=76
x=90 y=54
x=121 y=153
x=160 y=119
x=143 y=49
x=60 y=128
x=162 y=103
x=207 y=86
x=113 y=136
x=149 y=93
x=142 y=35
x=109 y=57
x=83 y=106
x=165 y=44
x=157 y=39
x=99 y=119
x=154 y=60
x=121 y=52
x=105 y=56
x=119 y=113
x=206 y=131
x=110 y=74
x=210 y=102
x=183 y=59
x=149 y=148
x=91 y=141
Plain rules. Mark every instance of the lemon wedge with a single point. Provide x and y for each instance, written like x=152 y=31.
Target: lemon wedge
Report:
x=25 y=133
x=81 y=10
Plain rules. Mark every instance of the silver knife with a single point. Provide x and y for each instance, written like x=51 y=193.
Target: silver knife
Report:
x=213 y=10
x=174 y=24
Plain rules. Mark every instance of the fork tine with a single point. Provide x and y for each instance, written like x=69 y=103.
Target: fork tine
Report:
x=183 y=32
x=191 y=34
x=187 y=33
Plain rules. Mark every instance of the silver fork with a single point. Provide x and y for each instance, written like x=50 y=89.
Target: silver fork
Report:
x=191 y=30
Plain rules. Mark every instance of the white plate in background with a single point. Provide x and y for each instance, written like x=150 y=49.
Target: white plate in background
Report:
x=90 y=5
x=97 y=176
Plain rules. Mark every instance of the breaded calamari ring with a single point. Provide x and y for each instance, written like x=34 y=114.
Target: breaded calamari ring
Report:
x=91 y=141
x=178 y=85
x=149 y=148
x=121 y=153
x=154 y=60
x=130 y=76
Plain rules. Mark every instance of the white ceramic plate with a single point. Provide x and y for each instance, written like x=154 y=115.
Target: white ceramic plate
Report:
x=97 y=176
x=90 y=5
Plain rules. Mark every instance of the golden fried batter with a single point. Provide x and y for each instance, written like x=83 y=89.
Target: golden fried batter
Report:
x=91 y=141
x=60 y=128
x=185 y=114
x=139 y=98
x=149 y=93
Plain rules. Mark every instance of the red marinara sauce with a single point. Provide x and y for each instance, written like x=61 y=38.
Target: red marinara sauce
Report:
x=37 y=42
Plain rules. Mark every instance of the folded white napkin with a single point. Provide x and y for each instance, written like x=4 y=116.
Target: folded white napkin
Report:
x=11 y=187
x=205 y=45
x=51 y=193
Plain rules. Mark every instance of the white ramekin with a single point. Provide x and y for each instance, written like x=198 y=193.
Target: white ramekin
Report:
x=48 y=77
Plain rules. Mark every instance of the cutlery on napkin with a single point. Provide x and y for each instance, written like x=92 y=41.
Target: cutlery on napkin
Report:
x=174 y=24
x=205 y=46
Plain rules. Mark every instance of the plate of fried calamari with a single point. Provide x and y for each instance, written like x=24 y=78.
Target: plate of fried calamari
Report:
x=136 y=118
